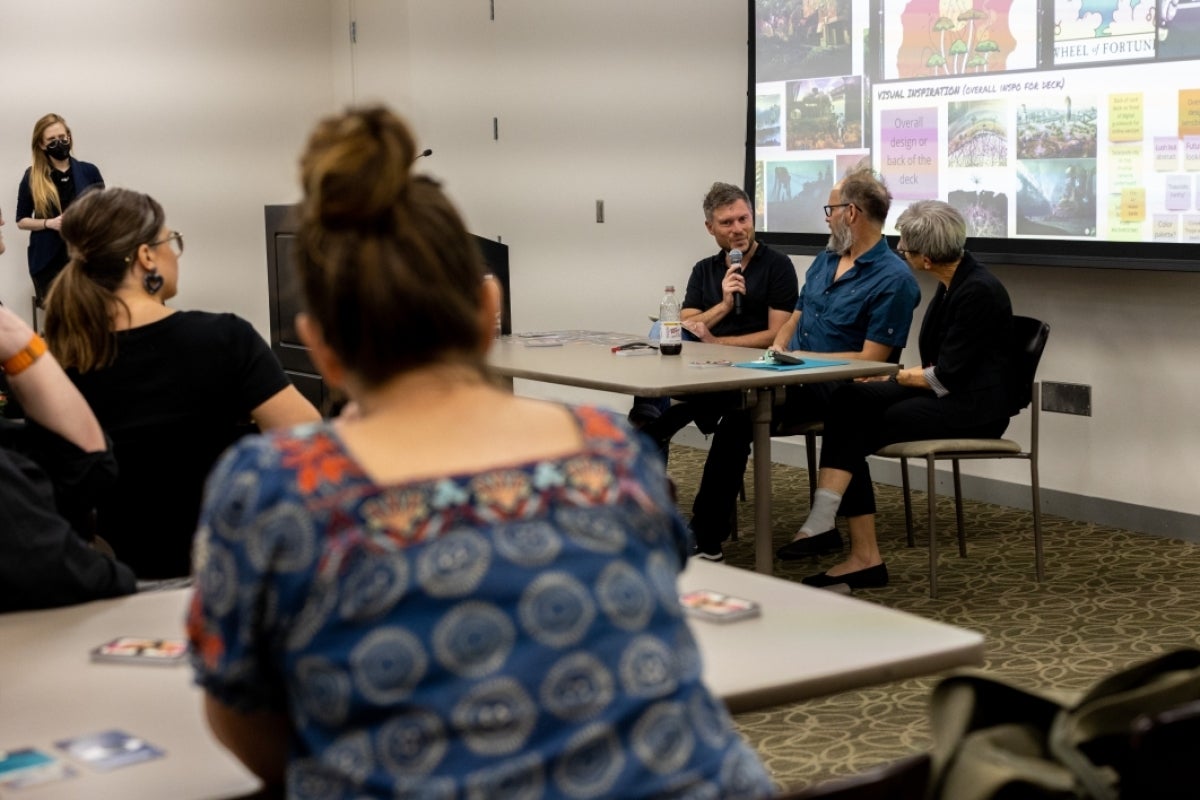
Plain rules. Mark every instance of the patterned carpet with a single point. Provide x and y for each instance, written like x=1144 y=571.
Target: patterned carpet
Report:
x=1111 y=598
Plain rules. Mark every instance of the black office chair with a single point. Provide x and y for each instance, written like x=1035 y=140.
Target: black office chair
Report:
x=810 y=431
x=905 y=779
x=1028 y=342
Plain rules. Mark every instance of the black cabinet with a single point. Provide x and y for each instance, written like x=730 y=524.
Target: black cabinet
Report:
x=287 y=300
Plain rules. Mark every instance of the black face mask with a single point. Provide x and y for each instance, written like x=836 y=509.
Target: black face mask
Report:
x=59 y=150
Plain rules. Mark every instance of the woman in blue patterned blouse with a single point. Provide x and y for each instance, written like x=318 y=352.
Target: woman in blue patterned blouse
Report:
x=457 y=592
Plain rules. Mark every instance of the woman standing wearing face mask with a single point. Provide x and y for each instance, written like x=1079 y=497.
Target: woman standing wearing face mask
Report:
x=47 y=188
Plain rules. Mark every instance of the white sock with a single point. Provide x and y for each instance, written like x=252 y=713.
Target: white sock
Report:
x=822 y=515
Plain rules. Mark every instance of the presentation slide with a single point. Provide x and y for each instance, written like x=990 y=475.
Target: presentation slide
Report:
x=1068 y=121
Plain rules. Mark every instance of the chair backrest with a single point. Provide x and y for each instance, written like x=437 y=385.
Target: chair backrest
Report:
x=905 y=779
x=1028 y=340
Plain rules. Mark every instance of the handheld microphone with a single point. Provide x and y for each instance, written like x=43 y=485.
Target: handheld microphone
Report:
x=735 y=261
x=423 y=154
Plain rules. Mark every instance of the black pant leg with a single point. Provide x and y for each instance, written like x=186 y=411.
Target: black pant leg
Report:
x=725 y=467
x=715 y=503
x=867 y=416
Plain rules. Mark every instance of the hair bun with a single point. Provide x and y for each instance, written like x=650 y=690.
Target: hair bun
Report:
x=357 y=170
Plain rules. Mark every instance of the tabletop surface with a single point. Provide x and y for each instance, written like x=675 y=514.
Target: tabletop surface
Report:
x=806 y=643
x=577 y=361
x=812 y=642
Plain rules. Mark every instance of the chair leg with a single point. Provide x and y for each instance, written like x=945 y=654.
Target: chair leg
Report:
x=908 y=518
x=958 y=511
x=1038 y=560
x=810 y=450
x=931 y=480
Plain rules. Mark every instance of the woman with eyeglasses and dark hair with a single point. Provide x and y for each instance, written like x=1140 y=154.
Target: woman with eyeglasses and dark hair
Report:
x=172 y=388
x=459 y=592
x=49 y=186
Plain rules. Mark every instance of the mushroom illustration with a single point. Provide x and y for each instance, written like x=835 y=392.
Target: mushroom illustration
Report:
x=942 y=25
x=957 y=50
x=986 y=47
x=969 y=16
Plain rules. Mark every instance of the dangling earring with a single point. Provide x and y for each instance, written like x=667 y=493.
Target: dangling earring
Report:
x=153 y=281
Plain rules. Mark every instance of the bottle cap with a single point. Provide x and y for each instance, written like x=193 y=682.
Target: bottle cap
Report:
x=669 y=288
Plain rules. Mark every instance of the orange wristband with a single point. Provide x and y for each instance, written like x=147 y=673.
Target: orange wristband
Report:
x=25 y=357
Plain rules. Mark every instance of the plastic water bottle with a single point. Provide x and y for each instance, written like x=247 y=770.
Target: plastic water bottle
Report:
x=670 y=331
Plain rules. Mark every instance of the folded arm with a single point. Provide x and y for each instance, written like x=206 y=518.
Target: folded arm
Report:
x=775 y=320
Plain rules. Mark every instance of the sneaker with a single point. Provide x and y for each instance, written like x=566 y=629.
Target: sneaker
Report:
x=717 y=556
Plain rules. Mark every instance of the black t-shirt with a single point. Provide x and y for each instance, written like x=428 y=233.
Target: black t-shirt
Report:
x=64 y=182
x=180 y=391
x=770 y=283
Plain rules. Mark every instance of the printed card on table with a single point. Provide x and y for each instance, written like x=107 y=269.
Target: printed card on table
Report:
x=26 y=766
x=142 y=650
x=109 y=750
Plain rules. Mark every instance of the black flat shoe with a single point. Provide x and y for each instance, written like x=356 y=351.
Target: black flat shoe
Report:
x=870 y=578
x=822 y=543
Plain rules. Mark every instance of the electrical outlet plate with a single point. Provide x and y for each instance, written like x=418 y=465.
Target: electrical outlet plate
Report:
x=1067 y=398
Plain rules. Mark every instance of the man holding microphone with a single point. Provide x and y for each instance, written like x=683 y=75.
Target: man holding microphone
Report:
x=742 y=301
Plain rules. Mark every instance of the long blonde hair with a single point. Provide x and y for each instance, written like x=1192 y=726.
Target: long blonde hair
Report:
x=45 y=195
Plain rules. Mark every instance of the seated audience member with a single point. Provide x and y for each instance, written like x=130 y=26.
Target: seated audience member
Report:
x=962 y=389
x=52 y=469
x=766 y=284
x=172 y=388
x=459 y=592
x=857 y=302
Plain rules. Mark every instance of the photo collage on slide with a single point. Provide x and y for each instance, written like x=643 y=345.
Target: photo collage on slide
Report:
x=810 y=121
x=1030 y=116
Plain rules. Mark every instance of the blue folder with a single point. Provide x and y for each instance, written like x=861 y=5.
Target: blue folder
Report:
x=809 y=363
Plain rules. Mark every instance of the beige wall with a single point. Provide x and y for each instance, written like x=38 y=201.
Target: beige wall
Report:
x=204 y=104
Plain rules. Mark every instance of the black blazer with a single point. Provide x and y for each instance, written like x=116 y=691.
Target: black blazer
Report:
x=965 y=337
x=45 y=246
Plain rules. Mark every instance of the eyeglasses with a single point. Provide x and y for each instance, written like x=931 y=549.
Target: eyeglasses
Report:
x=175 y=238
x=58 y=140
x=829 y=209
x=904 y=252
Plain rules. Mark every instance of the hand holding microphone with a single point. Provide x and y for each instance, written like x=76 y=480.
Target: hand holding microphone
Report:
x=735 y=263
